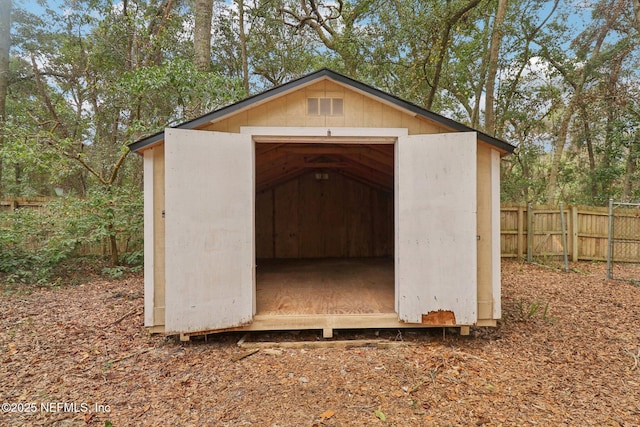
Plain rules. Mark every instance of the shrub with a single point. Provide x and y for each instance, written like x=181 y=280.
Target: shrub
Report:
x=33 y=243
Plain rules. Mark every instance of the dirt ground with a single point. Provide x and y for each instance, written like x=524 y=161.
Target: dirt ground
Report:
x=565 y=354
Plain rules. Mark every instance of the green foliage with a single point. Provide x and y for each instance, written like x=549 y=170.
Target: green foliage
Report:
x=85 y=81
x=175 y=91
x=278 y=52
x=114 y=272
x=524 y=311
x=33 y=244
x=26 y=252
x=120 y=271
x=527 y=175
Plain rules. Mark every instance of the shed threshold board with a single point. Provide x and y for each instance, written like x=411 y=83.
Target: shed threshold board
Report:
x=324 y=287
x=273 y=322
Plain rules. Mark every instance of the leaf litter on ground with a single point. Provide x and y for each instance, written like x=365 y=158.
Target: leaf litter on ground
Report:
x=564 y=353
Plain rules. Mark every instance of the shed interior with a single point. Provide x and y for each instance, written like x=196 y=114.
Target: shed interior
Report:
x=324 y=225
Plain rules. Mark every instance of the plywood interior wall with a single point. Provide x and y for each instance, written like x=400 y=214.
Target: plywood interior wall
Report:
x=307 y=217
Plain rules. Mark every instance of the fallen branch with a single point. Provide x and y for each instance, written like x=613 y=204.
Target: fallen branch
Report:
x=548 y=267
x=433 y=373
x=244 y=355
x=468 y=355
x=129 y=356
x=346 y=344
x=636 y=357
x=115 y=322
x=243 y=339
x=361 y=407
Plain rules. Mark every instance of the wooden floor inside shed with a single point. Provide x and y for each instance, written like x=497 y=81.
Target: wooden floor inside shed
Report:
x=325 y=286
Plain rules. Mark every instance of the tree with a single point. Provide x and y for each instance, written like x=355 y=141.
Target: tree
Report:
x=278 y=52
x=453 y=16
x=90 y=86
x=5 y=42
x=243 y=44
x=595 y=49
x=432 y=53
x=494 y=52
x=84 y=83
x=338 y=25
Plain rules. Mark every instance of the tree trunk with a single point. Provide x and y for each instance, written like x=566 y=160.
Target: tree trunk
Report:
x=202 y=34
x=558 y=149
x=5 y=41
x=474 y=112
x=529 y=35
x=444 y=47
x=612 y=116
x=586 y=129
x=578 y=85
x=243 y=46
x=113 y=246
x=630 y=169
x=494 y=50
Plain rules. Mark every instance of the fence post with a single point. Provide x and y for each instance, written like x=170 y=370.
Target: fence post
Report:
x=529 y=232
x=520 y=235
x=563 y=227
x=575 y=251
x=610 y=241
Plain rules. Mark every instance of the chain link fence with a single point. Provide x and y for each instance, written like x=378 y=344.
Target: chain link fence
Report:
x=624 y=242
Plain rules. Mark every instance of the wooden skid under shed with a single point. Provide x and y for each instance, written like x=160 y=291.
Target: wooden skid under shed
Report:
x=327 y=323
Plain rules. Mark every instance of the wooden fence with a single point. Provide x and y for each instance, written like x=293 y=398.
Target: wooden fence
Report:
x=125 y=243
x=11 y=204
x=587 y=230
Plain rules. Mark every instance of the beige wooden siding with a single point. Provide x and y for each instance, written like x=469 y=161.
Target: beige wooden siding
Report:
x=485 y=292
x=360 y=110
x=158 y=232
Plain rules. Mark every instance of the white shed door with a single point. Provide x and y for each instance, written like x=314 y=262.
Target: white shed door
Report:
x=436 y=273
x=209 y=211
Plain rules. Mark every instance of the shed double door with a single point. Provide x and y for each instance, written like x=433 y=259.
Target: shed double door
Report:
x=210 y=239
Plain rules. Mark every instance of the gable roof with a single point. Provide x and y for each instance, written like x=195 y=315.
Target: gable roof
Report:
x=311 y=78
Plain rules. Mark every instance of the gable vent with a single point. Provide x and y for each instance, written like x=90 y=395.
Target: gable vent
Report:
x=325 y=106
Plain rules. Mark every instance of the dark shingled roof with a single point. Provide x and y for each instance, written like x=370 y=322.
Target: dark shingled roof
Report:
x=310 y=78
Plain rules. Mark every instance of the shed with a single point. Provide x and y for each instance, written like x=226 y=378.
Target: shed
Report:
x=323 y=203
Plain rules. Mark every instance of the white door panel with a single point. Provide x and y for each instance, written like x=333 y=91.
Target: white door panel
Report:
x=436 y=261
x=209 y=193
